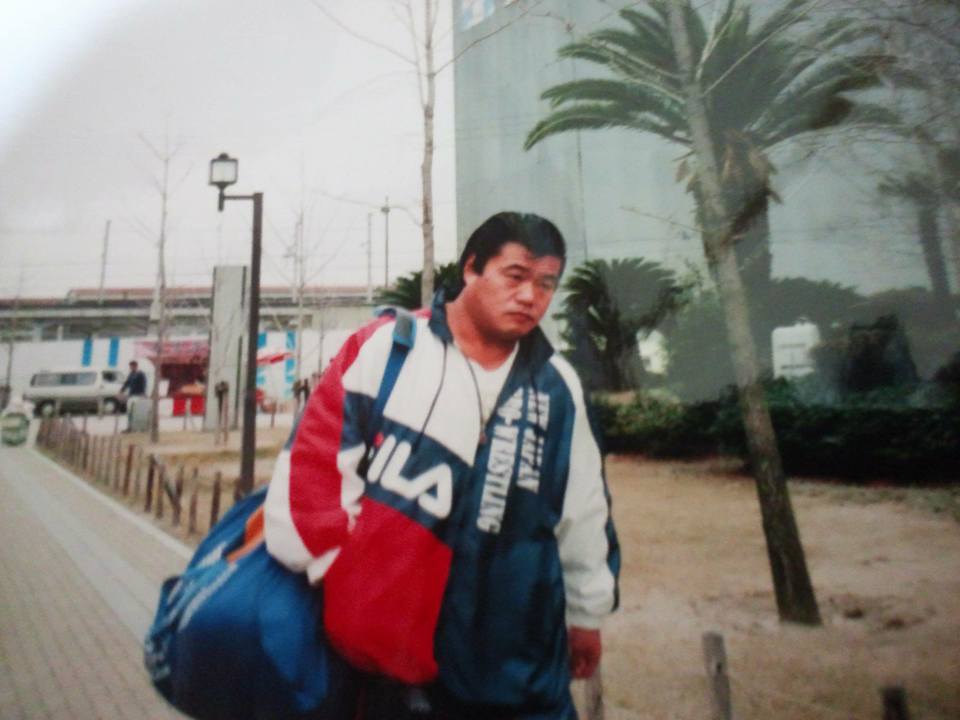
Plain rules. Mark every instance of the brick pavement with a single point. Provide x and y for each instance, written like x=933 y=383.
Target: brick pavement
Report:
x=78 y=583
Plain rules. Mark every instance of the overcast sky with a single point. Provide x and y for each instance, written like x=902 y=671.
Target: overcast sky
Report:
x=94 y=88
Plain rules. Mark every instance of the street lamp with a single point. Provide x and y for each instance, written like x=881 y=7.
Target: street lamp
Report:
x=223 y=174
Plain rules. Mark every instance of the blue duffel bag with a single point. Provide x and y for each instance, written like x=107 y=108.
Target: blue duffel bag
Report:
x=239 y=636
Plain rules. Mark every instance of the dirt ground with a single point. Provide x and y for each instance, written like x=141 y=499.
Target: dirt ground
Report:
x=885 y=565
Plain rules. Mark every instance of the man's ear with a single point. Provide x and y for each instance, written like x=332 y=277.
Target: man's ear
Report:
x=469 y=273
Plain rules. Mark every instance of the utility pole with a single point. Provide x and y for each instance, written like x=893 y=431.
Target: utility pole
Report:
x=300 y=278
x=386 y=242
x=369 y=258
x=103 y=262
x=11 y=343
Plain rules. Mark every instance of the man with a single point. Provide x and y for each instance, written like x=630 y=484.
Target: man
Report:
x=136 y=383
x=134 y=386
x=468 y=546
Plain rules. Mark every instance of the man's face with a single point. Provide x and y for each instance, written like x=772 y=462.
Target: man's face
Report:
x=508 y=299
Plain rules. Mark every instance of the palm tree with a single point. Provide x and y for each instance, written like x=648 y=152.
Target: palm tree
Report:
x=921 y=191
x=607 y=303
x=730 y=93
x=406 y=291
x=762 y=85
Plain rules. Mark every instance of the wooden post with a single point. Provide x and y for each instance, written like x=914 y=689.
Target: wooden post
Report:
x=118 y=465
x=192 y=518
x=116 y=423
x=161 y=487
x=273 y=417
x=104 y=457
x=215 y=503
x=127 y=470
x=84 y=426
x=136 y=479
x=178 y=491
x=108 y=459
x=101 y=451
x=151 y=474
x=715 y=656
x=95 y=457
x=895 y=703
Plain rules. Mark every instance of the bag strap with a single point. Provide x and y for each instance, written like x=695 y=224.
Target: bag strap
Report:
x=404 y=335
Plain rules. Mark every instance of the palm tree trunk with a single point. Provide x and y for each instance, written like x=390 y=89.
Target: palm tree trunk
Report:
x=928 y=230
x=796 y=601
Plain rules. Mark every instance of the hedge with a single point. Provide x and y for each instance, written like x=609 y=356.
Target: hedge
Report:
x=854 y=441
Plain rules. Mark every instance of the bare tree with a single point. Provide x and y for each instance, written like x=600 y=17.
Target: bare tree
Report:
x=423 y=38
x=158 y=310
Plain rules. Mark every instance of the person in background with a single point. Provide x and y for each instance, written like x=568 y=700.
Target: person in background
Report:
x=134 y=386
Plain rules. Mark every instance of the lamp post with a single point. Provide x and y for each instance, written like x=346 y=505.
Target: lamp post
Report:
x=223 y=174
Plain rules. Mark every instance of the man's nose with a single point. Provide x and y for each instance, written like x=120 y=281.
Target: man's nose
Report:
x=526 y=292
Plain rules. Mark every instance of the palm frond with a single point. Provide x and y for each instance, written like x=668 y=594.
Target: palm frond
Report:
x=622 y=64
x=788 y=16
x=813 y=100
x=838 y=113
x=596 y=116
x=629 y=97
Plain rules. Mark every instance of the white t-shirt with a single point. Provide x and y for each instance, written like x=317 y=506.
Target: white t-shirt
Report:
x=490 y=382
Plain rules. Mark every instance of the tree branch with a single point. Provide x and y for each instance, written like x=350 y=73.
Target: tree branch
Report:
x=363 y=38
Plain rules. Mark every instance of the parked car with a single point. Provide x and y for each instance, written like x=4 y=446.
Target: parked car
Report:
x=76 y=389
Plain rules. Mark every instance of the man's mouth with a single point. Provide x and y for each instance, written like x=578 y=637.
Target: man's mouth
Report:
x=522 y=316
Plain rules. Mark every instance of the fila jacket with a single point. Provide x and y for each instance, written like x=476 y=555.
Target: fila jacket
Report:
x=443 y=554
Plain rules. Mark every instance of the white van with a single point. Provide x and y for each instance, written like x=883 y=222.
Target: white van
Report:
x=75 y=389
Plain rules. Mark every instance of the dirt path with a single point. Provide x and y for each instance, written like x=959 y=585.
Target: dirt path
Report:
x=886 y=572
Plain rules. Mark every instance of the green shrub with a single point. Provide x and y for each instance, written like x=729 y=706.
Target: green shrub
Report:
x=886 y=435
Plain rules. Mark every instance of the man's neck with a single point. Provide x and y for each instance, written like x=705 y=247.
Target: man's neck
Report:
x=489 y=352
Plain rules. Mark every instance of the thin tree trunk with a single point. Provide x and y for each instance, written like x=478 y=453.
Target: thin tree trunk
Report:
x=929 y=231
x=160 y=298
x=794 y=591
x=426 y=170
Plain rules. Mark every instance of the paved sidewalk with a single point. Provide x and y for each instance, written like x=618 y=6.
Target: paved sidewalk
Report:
x=79 y=580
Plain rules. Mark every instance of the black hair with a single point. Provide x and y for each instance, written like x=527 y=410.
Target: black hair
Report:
x=535 y=233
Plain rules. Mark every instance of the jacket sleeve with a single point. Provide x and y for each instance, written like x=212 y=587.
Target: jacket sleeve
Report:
x=589 y=550
x=315 y=491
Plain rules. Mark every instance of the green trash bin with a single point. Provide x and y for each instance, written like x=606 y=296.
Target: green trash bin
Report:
x=14 y=428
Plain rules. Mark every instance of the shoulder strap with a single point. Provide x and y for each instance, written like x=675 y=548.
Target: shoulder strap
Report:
x=404 y=335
